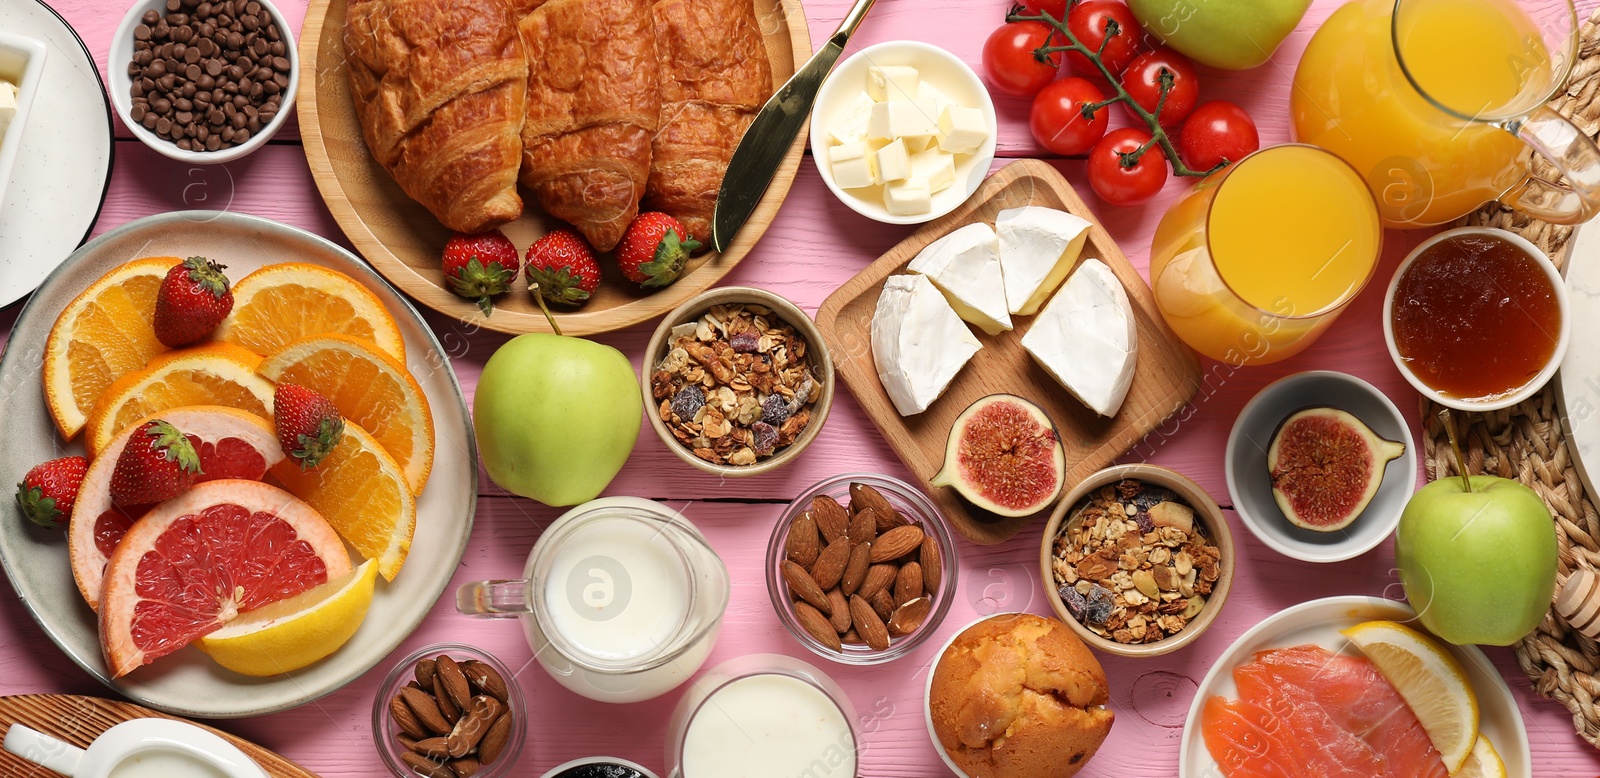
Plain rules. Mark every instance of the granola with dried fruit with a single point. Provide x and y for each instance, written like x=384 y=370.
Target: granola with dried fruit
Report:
x=736 y=385
x=1133 y=564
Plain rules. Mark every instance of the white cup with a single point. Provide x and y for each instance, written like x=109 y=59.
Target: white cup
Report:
x=142 y=748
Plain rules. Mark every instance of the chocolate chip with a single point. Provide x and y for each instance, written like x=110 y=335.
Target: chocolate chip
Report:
x=142 y=32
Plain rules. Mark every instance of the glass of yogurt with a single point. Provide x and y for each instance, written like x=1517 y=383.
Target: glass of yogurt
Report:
x=763 y=716
x=621 y=599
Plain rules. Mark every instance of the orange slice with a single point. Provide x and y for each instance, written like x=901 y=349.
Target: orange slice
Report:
x=197 y=561
x=285 y=302
x=212 y=374
x=362 y=492
x=369 y=388
x=104 y=334
x=232 y=444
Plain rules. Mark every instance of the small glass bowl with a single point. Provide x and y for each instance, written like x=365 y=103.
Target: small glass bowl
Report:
x=384 y=728
x=911 y=503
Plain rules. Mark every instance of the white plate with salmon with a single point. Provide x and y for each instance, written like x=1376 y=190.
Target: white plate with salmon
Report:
x=1294 y=697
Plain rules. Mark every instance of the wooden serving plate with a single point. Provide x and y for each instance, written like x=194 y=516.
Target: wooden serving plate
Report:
x=403 y=240
x=79 y=720
x=1167 y=374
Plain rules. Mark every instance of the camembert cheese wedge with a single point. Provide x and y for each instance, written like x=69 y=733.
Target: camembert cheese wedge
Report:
x=919 y=344
x=965 y=266
x=1038 y=248
x=1087 y=338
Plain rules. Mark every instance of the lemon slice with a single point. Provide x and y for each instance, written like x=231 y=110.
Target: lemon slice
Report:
x=1430 y=680
x=1483 y=762
x=296 y=632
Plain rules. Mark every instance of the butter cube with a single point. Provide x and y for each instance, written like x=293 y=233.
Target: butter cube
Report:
x=894 y=162
x=936 y=167
x=892 y=82
x=916 y=143
x=903 y=118
x=962 y=130
x=908 y=198
x=853 y=165
x=8 y=103
x=928 y=91
x=850 y=125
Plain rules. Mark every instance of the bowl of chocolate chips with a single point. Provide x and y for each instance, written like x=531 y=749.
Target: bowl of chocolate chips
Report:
x=203 y=82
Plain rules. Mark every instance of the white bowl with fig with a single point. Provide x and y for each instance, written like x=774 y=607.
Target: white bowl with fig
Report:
x=1320 y=465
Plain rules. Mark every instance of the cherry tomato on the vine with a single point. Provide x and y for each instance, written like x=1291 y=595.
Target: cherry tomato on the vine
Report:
x=1126 y=184
x=1215 y=131
x=1142 y=79
x=1009 y=62
x=1057 y=117
x=1089 y=22
x=1056 y=8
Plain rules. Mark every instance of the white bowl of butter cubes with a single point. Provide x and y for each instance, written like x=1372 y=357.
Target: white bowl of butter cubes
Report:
x=21 y=69
x=903 y=132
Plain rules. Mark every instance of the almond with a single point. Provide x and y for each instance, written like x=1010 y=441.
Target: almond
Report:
x=802 y=544
x=868 y=624
x=802 y=585
x=405 y=719
x=425 y=668
x=863 y=528
x=909 y=616
x=817 y=625
x=426 y=709
x=855 y=571
x=831 y=563
x=864 y=497
x=833 y=521
x=879 y=577
x=426 y=767
x=441 y=698
x=839 y=614
x=465 y=767
x=494 y=741
x=481 y=712
x=851 y=638
x=406 y=742
x=485 y=678
x=896 y=543
x=932 y=565
x=890 y=520
x=455 y=681
x=882 y=604
x=908 y=584
x=436 y=747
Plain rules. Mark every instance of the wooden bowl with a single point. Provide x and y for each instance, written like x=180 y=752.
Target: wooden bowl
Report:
x=403 y=241
x=1205 y=510
x=821 y=366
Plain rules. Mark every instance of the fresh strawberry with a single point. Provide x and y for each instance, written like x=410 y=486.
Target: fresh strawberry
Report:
x=193 y=299
x=481 y=266
x=157 y=464
x=563 y=266
x=654 y=249
x=48 y=491
x=308 y=424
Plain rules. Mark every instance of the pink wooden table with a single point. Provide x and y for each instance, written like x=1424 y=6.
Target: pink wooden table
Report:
x=815 y=244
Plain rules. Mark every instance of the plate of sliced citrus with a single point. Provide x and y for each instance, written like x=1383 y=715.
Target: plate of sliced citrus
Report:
x=223 y=430
x=1352 y=686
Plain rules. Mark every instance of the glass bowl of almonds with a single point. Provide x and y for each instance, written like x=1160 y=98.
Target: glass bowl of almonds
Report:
x=449 y=711
x=861 y=569
x=1137 y=560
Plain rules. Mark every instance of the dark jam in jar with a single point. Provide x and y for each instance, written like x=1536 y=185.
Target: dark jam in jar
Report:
x=600 y=770
x=1476 y=317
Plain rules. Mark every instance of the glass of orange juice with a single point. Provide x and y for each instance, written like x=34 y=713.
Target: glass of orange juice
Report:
x=1256 y=261
x=1440 y=105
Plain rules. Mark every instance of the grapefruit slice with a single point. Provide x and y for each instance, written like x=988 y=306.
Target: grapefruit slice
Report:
x=232 y=444
x=291 y=300
x=212 y=374
x=195 y=562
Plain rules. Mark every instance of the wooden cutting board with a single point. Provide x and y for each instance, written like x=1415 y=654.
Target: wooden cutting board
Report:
x=1166 y=376
x=79 y=720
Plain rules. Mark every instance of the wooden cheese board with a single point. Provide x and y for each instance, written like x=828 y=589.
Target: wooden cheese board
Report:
x=79 y=720
x=1166 y=375
x=404 y=242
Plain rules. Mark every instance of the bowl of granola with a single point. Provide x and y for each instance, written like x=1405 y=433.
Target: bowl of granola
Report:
x=737 y=381
x=1137 y=559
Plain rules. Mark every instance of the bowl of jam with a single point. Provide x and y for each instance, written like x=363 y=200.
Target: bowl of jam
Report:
x=600 y=767
x=1477 y=318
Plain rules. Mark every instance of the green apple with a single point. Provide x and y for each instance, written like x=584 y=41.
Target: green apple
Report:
x=556 y=417
x=1227 y=34
x=1479 y=566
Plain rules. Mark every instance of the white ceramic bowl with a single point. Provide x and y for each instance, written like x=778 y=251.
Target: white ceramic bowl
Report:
x=117 y=66
x=21 y=63
x=1527 y=390
x=940 y=68
x=1250 y=485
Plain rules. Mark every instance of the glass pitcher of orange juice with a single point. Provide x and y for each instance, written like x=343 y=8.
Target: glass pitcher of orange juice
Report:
x=1438 y=104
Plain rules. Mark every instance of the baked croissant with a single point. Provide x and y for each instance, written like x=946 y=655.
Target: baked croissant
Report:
x=715 y=76
x=593 y=103
x=439 y=87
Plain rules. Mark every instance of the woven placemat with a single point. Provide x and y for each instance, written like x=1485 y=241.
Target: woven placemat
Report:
x=1526 y=443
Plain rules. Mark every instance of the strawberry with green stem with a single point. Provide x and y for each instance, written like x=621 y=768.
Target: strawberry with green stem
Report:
x=478 y=267
x=654 y=250
x=308 y=424
x=50 y=489
x=561 y=268
x=157 y=464
x=191 y=302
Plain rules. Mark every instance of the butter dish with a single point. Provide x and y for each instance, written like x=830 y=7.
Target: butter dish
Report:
x=21 y=65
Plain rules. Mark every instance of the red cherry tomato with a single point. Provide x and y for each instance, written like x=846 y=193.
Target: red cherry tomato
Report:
x=1057 y=118
x=1142 y=79
x=1008 y=58
x=1121 y=184
x=1089 y=22
x=1056 y=8
x=1216 y=131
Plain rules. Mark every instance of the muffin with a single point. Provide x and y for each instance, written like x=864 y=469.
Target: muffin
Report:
x=1019 y=696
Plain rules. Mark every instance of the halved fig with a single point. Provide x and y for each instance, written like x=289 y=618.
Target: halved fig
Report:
x=1326 y=465
x=1004 y=456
